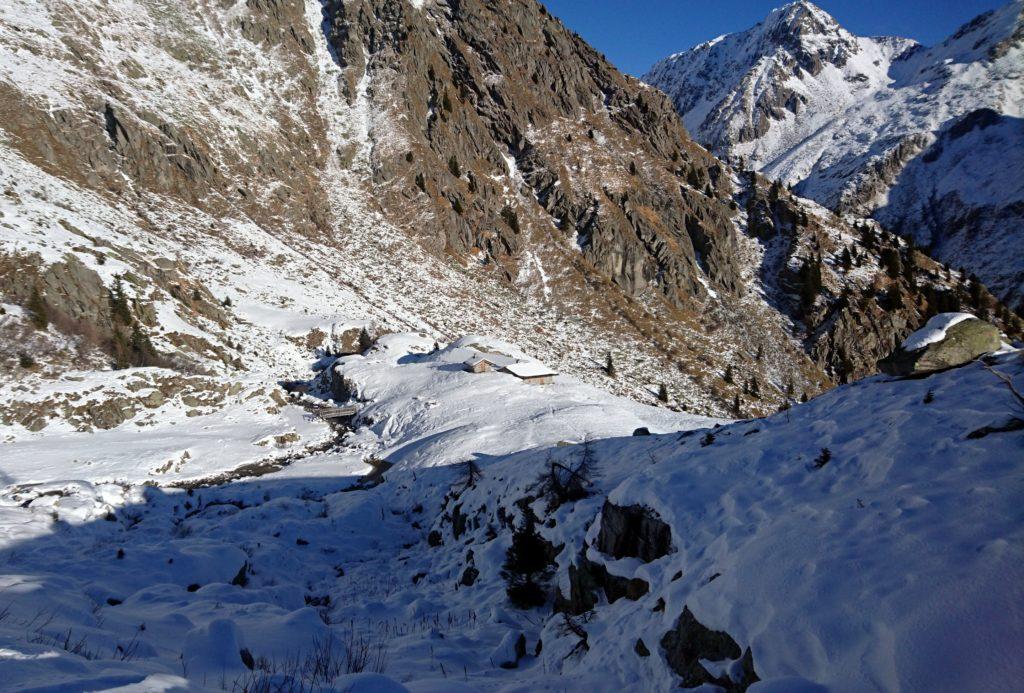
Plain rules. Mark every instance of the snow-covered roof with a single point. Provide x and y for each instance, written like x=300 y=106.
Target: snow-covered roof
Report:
x=498 y=360
x=934 y=330
x=529 y=369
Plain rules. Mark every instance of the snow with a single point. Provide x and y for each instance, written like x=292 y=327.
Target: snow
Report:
x=927 y=517
x=934 y=330
x=130 y=563
x=529 y=370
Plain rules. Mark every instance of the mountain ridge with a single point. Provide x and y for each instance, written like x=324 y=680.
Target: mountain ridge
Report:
x=850 y=122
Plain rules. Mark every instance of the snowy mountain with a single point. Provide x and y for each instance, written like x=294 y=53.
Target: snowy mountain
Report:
x=246 y=252
x=918 y=137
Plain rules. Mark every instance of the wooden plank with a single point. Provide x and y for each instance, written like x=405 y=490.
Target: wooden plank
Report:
x=337 y=412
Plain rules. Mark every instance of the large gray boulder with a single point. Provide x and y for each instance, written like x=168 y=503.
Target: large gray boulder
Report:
x=947 y=341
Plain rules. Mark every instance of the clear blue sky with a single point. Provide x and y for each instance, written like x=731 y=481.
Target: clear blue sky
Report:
x=634 y=34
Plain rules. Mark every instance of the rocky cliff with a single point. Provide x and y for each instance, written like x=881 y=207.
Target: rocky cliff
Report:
x=236 y=173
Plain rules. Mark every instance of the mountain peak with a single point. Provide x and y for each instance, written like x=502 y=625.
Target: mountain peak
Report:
x=801 y=18
x=800 y=25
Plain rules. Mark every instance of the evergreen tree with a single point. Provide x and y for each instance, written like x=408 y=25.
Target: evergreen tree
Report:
x=119 y=308
x=810 y=284
x=974 y=288
x=527 y=566
x=470 y=474
x=38 y=311
x=846 y=259
x=727 y=376
x=891 y=261
x=755 y=387
x=453 y=167
x=736 y=405
x=663 y=393
x=609 y=366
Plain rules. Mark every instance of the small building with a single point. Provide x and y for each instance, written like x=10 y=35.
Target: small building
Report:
x=531 y=372
x=485 y=363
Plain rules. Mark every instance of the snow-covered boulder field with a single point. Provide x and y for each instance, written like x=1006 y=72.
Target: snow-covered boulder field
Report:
x=523 y=539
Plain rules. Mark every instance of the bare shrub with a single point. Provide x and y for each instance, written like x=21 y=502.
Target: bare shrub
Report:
x=316 y=669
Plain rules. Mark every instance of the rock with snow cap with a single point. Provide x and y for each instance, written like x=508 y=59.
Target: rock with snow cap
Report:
x=946 y=341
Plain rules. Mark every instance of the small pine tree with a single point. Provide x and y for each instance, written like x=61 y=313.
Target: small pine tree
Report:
x=974 y=289
x=810 y=284
x=632 y=168
x=847 y=259
x=736 y=405
x=38 y=311
x=891 y=261
x=929 y=397
x=823 y=458
x=760 y=352
x=470 y=474
x=453 y=167
x=226 y=302
x=803 y=398
x=527 y=566
x=727 y=376
x=609 y=366
x=119 y=308
x=755 y=387
x=663 y=393
x=197 y=295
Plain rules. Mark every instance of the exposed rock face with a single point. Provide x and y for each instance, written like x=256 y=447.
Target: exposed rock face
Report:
x=514 y=104
x=691 y=641
x=962 y=343
x=633 y=531
x=588 y=580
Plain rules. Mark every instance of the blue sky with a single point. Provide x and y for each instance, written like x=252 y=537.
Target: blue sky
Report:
x=634 y=34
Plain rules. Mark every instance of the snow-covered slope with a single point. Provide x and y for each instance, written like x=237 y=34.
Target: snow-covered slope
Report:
x=893 y=562
x=917 y=136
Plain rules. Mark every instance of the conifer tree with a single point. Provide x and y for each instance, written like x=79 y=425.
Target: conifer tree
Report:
x=526 y=566
x=38 y=311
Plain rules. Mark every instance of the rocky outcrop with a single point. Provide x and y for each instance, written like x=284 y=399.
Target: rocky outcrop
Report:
x=690 y=641
x=588 y=580
x=961 y=343
x=633 y=531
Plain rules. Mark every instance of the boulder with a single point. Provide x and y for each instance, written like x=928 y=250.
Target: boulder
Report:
x=691 y=644
x=633 y=531
x=946 y=341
